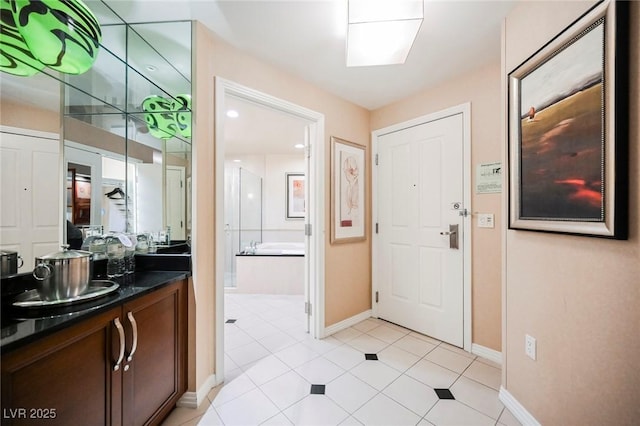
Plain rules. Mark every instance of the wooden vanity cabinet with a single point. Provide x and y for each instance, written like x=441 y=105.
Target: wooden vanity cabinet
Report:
x=69 y=377
x=155 y=378
x=63 y=379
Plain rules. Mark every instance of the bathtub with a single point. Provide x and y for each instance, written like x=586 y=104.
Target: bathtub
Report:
x=275 y=268
x=282 y=249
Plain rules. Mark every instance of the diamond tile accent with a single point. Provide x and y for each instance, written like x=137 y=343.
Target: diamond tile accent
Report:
x=230 y=321
x=444 y=393
x=317 y=389
x=371 y=357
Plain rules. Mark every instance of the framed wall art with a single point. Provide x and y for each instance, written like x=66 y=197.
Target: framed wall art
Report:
x=295 y=196
x=347 y=191
x=568 y=130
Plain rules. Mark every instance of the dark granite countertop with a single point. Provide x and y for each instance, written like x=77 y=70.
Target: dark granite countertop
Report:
x=243 y=254
x=21 y=325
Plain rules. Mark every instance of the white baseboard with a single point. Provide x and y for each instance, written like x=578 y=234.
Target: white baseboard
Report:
x=484 y=352
x=332 y=329
x=194 y=399
x=517 y=409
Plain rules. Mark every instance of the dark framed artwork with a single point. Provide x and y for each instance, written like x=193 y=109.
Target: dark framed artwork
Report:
x=568 y=130
x=295 y=195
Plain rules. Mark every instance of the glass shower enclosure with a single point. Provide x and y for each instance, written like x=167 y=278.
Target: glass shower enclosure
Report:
x=243 y=216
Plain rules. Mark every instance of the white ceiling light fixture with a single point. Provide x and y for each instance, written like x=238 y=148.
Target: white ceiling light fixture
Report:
x=381 y=32
x=232 y=113
x=299 y=145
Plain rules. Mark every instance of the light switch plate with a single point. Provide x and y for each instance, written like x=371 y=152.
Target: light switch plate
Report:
x=485 y=220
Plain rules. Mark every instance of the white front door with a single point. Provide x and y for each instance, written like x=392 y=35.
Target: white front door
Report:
x=30 y=185
x=420 y=248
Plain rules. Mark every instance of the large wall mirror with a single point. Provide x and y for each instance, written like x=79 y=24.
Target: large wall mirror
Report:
x=123 y=169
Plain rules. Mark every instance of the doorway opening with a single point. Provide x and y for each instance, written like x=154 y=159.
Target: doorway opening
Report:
x=269 y=210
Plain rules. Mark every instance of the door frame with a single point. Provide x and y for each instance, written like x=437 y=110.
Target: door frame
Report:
x=77 y=154
x=465 y=110
x=316 y=187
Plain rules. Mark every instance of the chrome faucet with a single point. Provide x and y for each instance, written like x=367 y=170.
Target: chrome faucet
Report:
x=252 y=248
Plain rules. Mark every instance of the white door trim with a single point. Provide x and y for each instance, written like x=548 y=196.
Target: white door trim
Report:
x=316 y=178
x=183 y=200
x=465 y=110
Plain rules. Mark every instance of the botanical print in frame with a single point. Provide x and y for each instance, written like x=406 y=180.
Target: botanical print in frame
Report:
x=347 y=191
x=295 y=195
x=563 y=144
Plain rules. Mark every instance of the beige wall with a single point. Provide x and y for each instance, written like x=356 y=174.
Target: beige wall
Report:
x=86 y=134
x=578 y=296
x=347 y=270
x=348 y=266
x=202 y=294
x=28 y=117
x=482 y=89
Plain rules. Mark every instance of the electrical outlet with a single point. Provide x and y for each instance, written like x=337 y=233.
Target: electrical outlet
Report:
x=530 y=346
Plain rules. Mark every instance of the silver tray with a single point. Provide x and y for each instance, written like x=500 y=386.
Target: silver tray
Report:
x=97 y=288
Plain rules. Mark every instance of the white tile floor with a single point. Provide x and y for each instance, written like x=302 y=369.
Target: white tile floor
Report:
x=270 y=365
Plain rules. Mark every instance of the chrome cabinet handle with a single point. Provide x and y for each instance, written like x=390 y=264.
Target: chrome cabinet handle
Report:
x=134 y=327
x=120 y=329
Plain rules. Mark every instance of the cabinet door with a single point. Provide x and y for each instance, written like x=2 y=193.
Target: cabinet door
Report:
x=154 y=379
x=64 y=379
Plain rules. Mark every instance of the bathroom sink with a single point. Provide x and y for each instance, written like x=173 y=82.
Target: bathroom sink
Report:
x=174 y=248
x=164 y=261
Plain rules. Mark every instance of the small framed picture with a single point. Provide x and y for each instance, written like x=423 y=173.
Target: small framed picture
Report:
x=347 y=191
x=295 y=196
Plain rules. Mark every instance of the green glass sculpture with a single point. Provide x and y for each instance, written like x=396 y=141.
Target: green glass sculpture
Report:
x=182 y=107
x=15 y=56
x=159 y=117
x=62 y=34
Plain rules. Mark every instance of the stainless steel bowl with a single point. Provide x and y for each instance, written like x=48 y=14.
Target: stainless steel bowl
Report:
x=64 y=274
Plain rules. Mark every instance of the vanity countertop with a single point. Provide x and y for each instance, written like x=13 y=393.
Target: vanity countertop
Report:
x=22 y=325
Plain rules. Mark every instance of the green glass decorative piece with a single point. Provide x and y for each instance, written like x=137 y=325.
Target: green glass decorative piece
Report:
x=62 y=34
x=15 y=56
x=182 y=107
x=159 y=117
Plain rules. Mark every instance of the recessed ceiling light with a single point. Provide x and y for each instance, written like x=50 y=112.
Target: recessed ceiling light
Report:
x=232 y=113
x=237 y=161
x=151 y=68
x=299 y=145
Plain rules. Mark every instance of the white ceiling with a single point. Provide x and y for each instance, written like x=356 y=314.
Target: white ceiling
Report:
x=307 y=38
x=261 y=130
